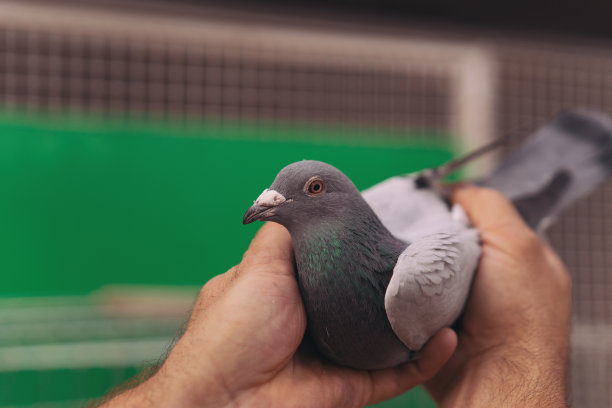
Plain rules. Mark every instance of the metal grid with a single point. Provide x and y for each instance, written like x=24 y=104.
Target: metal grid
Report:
x=536 y=83
x=107 y=61
x=53 y=70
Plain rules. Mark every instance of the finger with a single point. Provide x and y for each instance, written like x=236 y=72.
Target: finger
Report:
x=553 y=259
x=435 y=354
x=391 y=382
x=486 y=207
x=217 y=285
x=271 y=245
x=558 y=268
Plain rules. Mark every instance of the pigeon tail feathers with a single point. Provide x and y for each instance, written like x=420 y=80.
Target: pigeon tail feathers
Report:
x=564 y=161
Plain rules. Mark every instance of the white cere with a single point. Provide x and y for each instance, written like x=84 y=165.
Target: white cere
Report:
x=270 y=198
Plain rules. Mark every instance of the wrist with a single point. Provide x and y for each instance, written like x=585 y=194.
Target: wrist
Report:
x=145 y=395
x=509 y=377
x=173 y=386
x=179 y=384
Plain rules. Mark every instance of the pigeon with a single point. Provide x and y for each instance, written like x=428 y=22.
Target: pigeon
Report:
x=381 y=271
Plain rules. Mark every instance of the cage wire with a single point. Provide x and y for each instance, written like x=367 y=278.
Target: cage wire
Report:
x=535 y=82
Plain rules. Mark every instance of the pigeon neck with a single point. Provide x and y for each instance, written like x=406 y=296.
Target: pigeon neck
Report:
x=355 y=219
x=354 y=232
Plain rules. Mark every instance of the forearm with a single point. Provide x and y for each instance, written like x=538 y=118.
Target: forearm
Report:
x=143 y=395
x=507 y=380
x=168 y=390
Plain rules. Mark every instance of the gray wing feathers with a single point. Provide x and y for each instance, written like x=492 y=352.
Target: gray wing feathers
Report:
x=430 y=284
x=432 y=277
x=427 y=263
x=577 y=143
x=406 y=211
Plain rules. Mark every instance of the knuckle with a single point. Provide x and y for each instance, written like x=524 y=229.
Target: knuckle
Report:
x=528 y=244
x=213 y=289
x=213 y=282
x=216 y=283
x=565 y=282
x=559 y=271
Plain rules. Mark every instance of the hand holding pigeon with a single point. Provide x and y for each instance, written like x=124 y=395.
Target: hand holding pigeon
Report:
x=243 y=347
x=513 y=347
x=381 y=272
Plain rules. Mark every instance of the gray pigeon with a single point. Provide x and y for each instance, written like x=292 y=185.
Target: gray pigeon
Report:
x=381 y=271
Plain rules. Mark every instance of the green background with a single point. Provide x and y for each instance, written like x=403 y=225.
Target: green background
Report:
x=90 y=201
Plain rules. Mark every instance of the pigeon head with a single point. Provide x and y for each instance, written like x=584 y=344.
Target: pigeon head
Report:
x=303 y=193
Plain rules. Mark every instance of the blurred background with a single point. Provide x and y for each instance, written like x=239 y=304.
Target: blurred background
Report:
x=121 y=120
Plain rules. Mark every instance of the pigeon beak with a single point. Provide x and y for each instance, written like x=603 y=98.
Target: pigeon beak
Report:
x=264 y=206
x=256 y=212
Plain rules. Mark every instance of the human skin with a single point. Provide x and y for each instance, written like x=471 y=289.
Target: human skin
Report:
x=513 y=345
x=244 y=343
x=244 y=346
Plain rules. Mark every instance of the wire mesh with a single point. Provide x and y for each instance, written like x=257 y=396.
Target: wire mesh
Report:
x=85 y=73
x=535 y=84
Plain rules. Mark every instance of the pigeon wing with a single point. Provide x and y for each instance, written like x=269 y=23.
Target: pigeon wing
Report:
x=406 y=211
x=431 y=281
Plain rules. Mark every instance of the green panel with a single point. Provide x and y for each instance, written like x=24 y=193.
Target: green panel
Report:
x=30 y=387
x=86 y=202
x=89 y=203
x=73 y=387
x=416 y=398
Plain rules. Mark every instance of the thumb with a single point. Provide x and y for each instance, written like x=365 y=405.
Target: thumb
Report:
x=270 y=247
x=486 y=207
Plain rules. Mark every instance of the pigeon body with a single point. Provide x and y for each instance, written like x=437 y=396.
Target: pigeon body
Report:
x=381 y=272
x=345 y=258
x=343 y=269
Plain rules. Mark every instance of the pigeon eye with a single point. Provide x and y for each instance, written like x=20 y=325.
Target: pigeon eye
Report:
x=314 y=187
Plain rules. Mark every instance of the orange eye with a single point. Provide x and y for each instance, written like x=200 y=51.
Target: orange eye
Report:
x=314 y=187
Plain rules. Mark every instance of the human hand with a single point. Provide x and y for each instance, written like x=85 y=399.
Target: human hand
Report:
x=513 y=344
x=243 y=346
